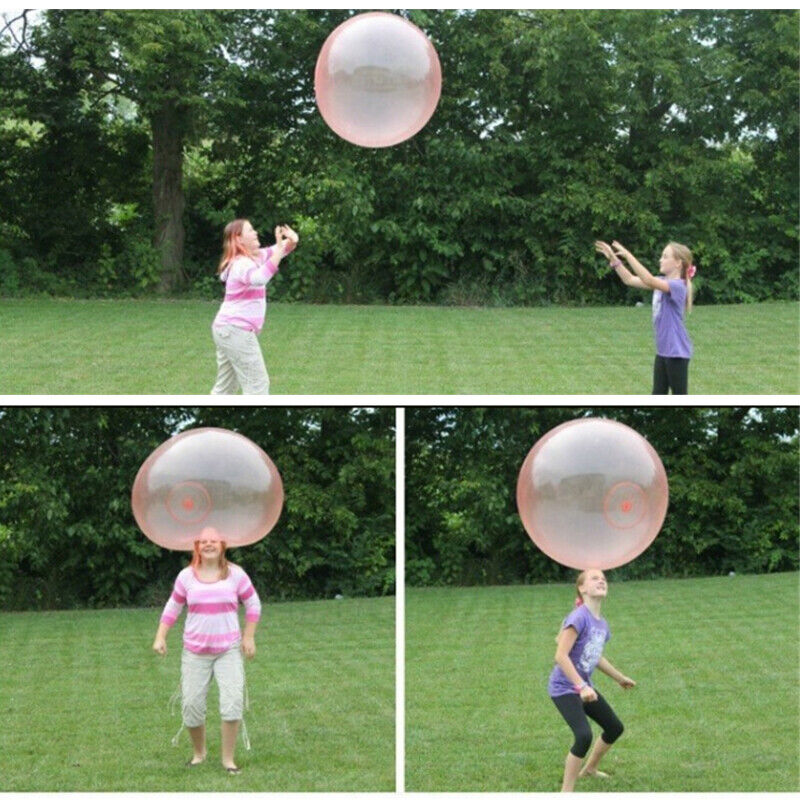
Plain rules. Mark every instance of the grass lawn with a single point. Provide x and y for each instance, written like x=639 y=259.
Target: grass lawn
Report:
x=53 y=346
x=84 y=703
x=715 y=708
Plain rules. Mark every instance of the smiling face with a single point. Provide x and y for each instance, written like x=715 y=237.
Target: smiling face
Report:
x=669 y=264
x=209 y=544
x=594 y=584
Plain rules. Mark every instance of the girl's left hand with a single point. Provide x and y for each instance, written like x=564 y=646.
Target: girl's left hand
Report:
x=248 y=646
x=626 y=683
x=290 y=234
x=619 y=249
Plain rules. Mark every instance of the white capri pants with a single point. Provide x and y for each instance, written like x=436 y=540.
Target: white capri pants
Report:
x=240 y=362
x=196 y=672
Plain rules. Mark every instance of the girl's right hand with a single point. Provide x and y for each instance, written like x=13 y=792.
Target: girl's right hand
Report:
x=588 y=695
x=160 y=647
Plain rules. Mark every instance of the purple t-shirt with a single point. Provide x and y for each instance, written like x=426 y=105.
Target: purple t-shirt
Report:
x=672 y=341
x=593 y=633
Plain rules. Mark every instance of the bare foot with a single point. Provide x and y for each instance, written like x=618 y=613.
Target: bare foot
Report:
x=592 y=773
x=196 y=759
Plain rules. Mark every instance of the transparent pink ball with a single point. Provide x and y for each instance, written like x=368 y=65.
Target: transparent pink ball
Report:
x=377 y=80
x=592 y=494
x=207 y=480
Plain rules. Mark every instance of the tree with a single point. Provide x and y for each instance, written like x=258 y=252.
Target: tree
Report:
x=733 y=475
x=68 y=537
x=167 y=63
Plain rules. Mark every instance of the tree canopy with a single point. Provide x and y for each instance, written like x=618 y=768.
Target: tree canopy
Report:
x=733 y=476
x=67 y=533
x=129 y=138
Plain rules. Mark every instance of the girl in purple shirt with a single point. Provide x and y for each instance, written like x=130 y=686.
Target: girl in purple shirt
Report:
x=672 y=298
x=579 y=650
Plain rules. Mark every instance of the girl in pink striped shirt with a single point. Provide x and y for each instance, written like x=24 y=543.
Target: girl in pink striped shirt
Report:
x=246 y=268
x=212 y=588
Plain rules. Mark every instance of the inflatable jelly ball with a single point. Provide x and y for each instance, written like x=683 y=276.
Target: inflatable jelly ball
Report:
x=377 y=80
x=207 y=479
x=592 y=494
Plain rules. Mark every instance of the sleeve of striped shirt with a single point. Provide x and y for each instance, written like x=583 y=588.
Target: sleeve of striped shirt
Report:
x=175 y=604
x=248 y=595
x=261 y=274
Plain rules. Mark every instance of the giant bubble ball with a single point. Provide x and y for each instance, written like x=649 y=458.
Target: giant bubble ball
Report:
x=207 y=480
x=378 y=80
x=592 y=494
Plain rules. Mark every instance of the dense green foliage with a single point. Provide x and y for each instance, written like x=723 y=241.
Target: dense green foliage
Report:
x=67 y=534
x=733 y=477
x=121 y=132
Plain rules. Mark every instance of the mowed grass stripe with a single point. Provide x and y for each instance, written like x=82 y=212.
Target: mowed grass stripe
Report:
x=57 y=346
x=85 y=702
x=715 y=709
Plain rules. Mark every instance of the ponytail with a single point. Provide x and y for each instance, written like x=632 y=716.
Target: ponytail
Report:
x=688 y=270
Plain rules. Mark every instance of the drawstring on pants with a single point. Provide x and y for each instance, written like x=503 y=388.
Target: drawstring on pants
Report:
x=245 y=737
x=172 y=706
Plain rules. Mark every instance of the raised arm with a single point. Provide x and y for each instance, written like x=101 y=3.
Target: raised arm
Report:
x=291 y=239
x=647 y=278
x=624 y=275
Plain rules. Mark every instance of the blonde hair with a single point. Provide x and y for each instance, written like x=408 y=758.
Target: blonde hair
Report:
x=683 y=254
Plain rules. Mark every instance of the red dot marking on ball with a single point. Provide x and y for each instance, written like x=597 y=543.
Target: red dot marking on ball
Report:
x=627 y=506
x=188 y=504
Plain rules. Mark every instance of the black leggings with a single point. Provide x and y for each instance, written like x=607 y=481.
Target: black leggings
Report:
x=575 y=712
x=671 y=373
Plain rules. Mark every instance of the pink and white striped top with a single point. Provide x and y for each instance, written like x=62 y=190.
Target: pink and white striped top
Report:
x=212 y=621
x=246 y=279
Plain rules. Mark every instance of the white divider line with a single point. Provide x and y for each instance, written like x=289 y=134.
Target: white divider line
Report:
x=400 y=598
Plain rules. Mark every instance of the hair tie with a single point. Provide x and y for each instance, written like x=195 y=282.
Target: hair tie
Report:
x=691 y=271
x=578 y=601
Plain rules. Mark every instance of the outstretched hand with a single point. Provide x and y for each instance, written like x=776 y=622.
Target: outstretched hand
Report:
x=619 y=249
x=626 y=683
x=605 y=249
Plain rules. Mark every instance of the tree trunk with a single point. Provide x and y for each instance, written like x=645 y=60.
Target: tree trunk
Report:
x=168 y=200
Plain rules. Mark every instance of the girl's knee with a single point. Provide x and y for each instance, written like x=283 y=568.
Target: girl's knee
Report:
x=231 y=709
x=583 y=741
x=613 y=732
x=194 y=714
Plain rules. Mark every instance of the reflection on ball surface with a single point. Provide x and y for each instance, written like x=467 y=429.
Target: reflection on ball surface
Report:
x=592 y=494
x=377 y=80
x=207 y=478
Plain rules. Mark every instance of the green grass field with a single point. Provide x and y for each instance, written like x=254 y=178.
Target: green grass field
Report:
x=53 y=346
x=715 y=708
x=84 y=703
